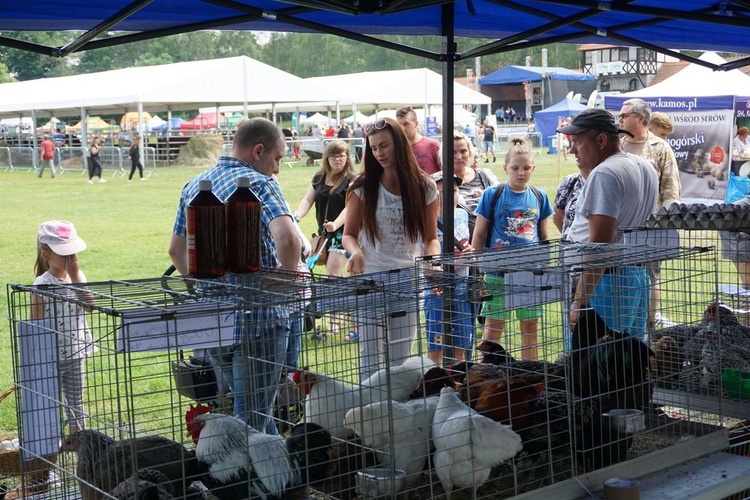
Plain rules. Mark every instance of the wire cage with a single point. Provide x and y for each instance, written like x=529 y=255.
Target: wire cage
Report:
x=581 y=400
x=359 y=368
x=138 y=378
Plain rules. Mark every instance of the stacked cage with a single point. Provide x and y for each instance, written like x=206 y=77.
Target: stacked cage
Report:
x=705 y=357
x=153 y=349
x=379 y=385
x=580 y=400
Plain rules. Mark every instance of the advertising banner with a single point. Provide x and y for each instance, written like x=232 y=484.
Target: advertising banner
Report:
x=701 y=141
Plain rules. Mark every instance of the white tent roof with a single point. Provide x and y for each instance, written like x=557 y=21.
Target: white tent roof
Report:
x=380 y=90
x=186 y=85
x=460 y=115
x=699 y=81
x=317 y=119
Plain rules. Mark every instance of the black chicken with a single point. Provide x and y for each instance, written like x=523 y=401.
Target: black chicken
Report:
x=606 y=370
x=104 y=462
x=148 y=484
x=552 y=430
x=239 y=462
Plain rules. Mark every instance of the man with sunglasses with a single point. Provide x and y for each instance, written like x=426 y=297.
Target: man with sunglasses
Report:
x=426 y=150
x=634 y=117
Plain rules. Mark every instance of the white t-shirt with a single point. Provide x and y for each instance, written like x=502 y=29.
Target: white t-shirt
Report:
x=624 y=187
x=393 y=249
x=74 y=339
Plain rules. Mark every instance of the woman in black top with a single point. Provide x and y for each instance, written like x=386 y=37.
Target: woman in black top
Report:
x=328 y=192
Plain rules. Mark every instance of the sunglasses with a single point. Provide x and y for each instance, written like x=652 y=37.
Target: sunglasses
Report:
x=378 y=125
x=625 y=115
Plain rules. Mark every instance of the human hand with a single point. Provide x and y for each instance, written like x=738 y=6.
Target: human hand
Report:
x=71 y=266
x=575 y=312
x=356 y=265
x=329 y=227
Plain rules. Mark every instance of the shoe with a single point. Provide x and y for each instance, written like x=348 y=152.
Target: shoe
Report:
x=352 y=336
x=101 y=180
x=90 y=181
x=661 y=321
x=486 y=160
x=143 y=179
x=130 y=180
x=494 y=159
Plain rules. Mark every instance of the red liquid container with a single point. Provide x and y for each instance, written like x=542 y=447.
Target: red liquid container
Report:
x=243 y=229
x=206 y=234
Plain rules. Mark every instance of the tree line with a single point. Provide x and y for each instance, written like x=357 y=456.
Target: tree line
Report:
x=302 y=54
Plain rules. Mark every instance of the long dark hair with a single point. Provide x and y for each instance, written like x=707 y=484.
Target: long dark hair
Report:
x=411 y=179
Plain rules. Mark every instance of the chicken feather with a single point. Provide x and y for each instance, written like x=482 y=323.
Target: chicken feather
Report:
x=467 y=444
x=408 y=423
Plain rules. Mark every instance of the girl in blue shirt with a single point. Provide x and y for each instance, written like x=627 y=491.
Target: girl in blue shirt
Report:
x=520 y=218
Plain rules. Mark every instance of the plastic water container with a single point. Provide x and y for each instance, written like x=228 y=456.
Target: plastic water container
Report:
x=206 y=234
x=243 y=229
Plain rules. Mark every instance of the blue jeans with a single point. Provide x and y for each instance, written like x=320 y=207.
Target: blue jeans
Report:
x=253 y=369
x=296 y=327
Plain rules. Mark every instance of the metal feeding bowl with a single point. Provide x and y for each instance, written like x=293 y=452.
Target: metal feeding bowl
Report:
x=378 y=482
x=625 y=421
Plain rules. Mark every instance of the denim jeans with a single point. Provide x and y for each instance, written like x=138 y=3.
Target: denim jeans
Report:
x=253 y=369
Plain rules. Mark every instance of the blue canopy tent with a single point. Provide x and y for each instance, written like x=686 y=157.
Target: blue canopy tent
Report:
x=520 y=74
x=546 y=120
x=556 y=83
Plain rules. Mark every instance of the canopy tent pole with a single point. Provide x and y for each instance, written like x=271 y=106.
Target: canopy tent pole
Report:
x=450 y=50
x=35 y=163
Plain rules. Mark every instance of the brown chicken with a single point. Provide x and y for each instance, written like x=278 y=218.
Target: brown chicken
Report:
x=432 y=382
x=504 y=400
x=668 y=357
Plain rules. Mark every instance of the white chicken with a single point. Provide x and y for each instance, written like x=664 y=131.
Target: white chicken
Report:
x=404 y=379
x=239 y=462
x=327 y=399
x=467 y=444
x=401 y=428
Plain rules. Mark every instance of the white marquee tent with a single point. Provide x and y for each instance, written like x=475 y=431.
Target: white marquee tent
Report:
x=187 y=85
x=380 y=90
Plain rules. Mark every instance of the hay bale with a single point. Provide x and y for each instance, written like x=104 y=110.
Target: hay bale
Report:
x=201 y=151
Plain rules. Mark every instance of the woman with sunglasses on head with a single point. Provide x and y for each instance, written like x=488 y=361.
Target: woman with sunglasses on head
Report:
x=328 y=192
x=391 y=218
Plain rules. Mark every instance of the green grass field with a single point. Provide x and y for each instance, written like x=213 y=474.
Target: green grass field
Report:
x=127 y=226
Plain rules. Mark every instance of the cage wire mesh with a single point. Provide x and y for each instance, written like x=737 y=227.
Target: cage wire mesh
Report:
x=364 y=370
x=582 y=400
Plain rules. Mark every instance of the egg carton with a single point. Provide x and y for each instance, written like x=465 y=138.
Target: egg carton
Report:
x=720 y=217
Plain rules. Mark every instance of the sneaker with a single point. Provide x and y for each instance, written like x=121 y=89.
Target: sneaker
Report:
x=130 y=180
x=90 y=181
x=102 y=180
x=661 y=321
x=486 y=160
x=143 y=179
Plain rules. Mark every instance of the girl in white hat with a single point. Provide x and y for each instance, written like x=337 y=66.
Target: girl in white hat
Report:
x=58 y=245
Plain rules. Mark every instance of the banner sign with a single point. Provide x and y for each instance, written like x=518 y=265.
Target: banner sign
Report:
x=701 y=141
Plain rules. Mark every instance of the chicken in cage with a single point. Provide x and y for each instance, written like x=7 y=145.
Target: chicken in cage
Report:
x=503 y=421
